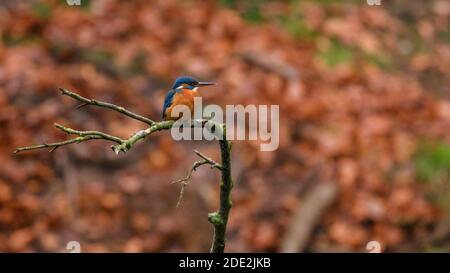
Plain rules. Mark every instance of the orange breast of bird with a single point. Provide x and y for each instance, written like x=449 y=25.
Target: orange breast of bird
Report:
x=183 y=97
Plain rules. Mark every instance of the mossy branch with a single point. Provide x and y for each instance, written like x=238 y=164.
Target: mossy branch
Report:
x=122 y=145
x=219 y=219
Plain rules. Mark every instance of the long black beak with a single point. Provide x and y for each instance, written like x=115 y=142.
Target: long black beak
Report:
x=205 y=83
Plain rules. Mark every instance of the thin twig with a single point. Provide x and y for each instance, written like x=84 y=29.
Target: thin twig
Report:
x=213 y=163
x=185 y=181
x=81 y=105
x=102 y=135
x=86 y=101
x=57 y=144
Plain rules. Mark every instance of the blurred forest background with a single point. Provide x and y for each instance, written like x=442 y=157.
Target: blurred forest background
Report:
x=364 y=99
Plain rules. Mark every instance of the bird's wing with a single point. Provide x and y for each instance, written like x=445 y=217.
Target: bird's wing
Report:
x=168 y=100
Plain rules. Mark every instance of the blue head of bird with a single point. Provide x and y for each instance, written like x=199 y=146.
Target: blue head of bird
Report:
x=188 y=83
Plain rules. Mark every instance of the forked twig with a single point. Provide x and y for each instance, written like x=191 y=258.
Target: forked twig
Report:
x=185 y=181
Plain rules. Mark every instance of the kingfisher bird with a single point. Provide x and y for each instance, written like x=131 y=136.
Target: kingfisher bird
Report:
x=182 y=92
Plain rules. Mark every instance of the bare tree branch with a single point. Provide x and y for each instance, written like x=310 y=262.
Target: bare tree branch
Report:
x=86 y=101
x=102 y=135
x=219 y=219
x=185 y=181
x=128 y=143
x=83 y=136
x=55 y=145
x=213 y=163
